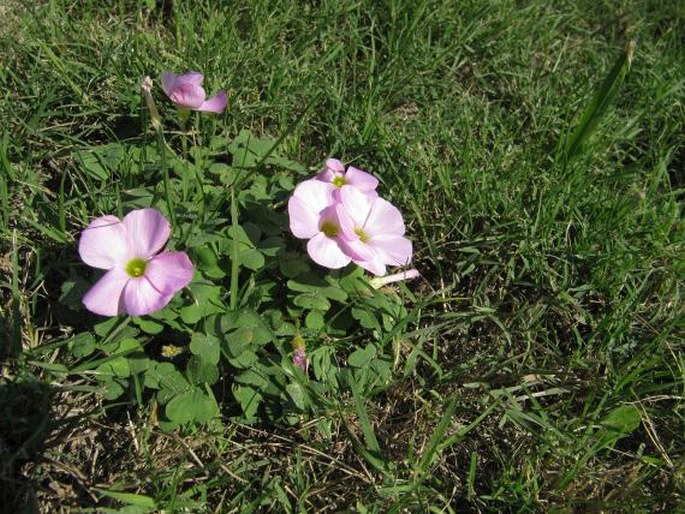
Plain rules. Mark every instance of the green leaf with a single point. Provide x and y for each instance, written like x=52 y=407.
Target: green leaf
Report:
x=172 y=385
x=99 y=162
x=201 y=372
x=312 y=301
x=112 y=331
x=112 y=390
x=82 y=345
x=192 y=406
x=249 y=399
x=293 y=265
x=138 y=198
x=156 y=372
x=311 y=283
x=47 y=230
x=362 y=357
x=252 y=377
x=138 y=500
x=249 y=150
x=366 y=318
x=256 y=331
x=165 y=377
x=251 y=259
x=206 y=261
x=206 y=347
x=117 y=367
x=282 y=162
x=623 y=420
x=239 y=340
x=73 y=291
x=138 y=364
x=148 y=325
x=314 y=320
x=206 y=301
x=297 y=395
x=225 y=173
x=243 y=361
x=127 y=345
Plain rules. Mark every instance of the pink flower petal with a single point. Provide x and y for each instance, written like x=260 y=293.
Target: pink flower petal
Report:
x=104 y=243
x=310 y=198
x=148 y=232
x=335 y=165
x=345 y=222
x=375 y=265
x=357 y=204
x=141 y=298
x=358 y=250
x=316 y=194
x=194 y=77
x=396 y=250
x=105 y=297
x=215 y=104
x=187 y=96
x=169 y=272
x=361 y=180
x=334 y=168
x=326 y=252
x=168 y=82
x=304 y=221
x=384 y=218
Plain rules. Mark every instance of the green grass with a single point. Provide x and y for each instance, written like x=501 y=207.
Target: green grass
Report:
x=549 y=323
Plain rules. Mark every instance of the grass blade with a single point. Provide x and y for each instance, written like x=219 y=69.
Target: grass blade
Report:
x=598 y=106
x=432 y=449
x=370 y=450
x=137 y=500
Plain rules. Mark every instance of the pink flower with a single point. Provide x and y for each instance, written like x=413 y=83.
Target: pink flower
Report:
x=334 y=173
x=139 y=280
x=187 y=93
x=314 y=216
x=372 y=231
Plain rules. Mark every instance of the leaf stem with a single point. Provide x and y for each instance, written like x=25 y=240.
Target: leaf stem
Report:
x=161 y=148
x=235 y=249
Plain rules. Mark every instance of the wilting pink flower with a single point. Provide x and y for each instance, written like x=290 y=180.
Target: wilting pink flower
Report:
x=378 y=282
x=300 y=353
x=146 y=86
x=187 y=93
x=372 y=231
x=334 y=173
x=314 y=215
x=139 y=280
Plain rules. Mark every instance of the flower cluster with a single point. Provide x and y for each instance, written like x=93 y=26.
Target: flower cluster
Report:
x=339 y=212
x=344 y=220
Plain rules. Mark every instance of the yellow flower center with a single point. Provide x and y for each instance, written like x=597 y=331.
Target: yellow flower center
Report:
x=136 y=268
x=363 y=236
x=339 y=181
x=329 y=228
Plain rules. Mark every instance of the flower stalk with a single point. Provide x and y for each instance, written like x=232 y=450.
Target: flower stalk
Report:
x=156 y=121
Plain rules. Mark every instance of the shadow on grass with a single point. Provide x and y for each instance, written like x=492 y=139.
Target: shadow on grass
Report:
x=24 y=425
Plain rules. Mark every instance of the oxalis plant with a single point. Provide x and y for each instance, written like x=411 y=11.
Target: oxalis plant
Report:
x=224 y=275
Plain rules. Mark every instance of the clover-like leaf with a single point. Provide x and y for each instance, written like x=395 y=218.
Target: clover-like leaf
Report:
x=192 y=406
x=207 y=347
